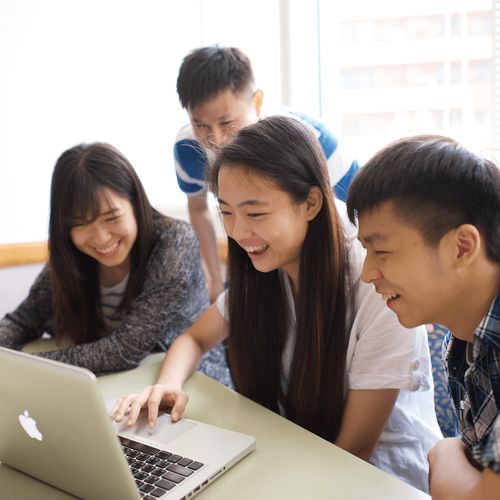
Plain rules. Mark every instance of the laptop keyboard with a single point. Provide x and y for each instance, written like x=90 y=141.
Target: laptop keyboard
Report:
x=156 y=471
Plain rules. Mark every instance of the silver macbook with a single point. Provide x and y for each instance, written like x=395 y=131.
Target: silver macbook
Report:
x=54 y=426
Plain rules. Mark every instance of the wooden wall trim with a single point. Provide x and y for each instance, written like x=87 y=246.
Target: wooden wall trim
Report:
x=16 y=254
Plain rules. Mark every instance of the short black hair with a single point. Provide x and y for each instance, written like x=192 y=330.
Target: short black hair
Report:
x=206 y=71
x=435 y=184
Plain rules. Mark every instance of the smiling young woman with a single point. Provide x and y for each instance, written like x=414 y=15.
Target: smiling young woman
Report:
x=306 y=337
x=122 y=280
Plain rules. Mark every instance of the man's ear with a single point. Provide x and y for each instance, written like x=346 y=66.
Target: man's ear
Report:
x=467 y=244
x=257 y=98
x=314 y=202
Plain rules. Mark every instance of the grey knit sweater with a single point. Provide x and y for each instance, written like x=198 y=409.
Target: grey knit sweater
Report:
x=172 y=297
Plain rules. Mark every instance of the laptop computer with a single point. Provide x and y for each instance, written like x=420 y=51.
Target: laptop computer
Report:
x=54 y=426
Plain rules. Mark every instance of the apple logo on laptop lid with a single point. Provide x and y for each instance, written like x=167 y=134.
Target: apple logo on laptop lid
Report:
x=29 y=426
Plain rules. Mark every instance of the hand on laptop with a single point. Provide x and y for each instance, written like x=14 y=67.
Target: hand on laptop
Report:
x=151 y=397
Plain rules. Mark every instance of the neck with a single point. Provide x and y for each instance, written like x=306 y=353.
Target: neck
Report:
x=472 y=303
x=110 y=276
x=293 y=278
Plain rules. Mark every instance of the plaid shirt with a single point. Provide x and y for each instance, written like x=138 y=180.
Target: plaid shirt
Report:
x=474 y=382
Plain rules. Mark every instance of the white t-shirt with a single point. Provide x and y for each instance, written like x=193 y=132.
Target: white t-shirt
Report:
x=382 y=354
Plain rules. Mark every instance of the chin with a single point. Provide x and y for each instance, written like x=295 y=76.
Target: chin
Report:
x=408 y=322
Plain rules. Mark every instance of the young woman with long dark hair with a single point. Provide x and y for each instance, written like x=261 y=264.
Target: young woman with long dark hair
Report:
x=306 y=337
x=122 y=280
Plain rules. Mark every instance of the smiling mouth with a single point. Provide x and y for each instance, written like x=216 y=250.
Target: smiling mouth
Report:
x=390 y=298
x=107 y=250
x=256 y=250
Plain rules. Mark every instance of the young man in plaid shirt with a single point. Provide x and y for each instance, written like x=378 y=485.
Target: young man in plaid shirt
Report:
x=428 y=212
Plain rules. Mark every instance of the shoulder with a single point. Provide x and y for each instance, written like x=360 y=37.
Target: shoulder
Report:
x=185 y=133
x=317 y=126
x=172 y=233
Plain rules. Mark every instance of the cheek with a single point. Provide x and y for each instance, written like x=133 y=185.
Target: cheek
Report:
x=76 y=237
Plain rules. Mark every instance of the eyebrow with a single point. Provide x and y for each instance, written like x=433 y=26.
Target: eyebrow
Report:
x=370 y=238
x=245 y=203
x=218 y=119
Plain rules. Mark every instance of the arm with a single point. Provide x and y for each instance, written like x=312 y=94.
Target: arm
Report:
x=453 y=477
x=199 y=215
x=364 y=419
x=31 y=318
x=181 y=360
x=172 y=297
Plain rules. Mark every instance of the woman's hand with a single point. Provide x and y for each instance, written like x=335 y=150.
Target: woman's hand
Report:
x=153 y=397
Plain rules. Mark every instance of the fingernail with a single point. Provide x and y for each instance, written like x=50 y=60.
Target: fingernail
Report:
x=174 y=415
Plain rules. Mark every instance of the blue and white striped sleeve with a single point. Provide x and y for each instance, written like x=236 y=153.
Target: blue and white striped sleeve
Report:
x=190 y=163
x=341 y=166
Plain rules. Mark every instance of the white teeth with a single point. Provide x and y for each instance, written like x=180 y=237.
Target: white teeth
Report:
x=255 y=249
x=387 y=297
x=109 y=249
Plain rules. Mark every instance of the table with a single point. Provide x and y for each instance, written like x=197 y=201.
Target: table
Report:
x=288 y=462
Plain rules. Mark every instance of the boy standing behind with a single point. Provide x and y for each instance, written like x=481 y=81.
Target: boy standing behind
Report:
x=216 y=87
x=429 y=216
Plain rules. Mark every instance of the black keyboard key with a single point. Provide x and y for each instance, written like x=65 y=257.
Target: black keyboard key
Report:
x=183 y=471
x=136 y=463
x=147 y=468
x=148 y=497
x=163 y=464
x=158 y=472
x=147 y=488
x=152 y=460
x=163 y=454
x=142 y=457
x=139 y=476
x=151 y=479
x=133 y=470
x=143 y=448
x=171 y=476
x=195 y=465
x=165 y=484
x=184 y=462
x=174 y=458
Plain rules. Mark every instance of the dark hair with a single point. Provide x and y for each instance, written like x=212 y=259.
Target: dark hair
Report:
x=286 y=153
x=79 y=178
x=436 y=185
x=207 y=71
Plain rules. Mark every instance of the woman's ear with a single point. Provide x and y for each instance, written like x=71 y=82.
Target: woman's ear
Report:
x=314 y=202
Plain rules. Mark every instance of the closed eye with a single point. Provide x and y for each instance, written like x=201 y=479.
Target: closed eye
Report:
x=255 y=215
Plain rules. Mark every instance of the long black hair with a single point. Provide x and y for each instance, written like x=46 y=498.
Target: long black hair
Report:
x=80 y=176
x=285 y=152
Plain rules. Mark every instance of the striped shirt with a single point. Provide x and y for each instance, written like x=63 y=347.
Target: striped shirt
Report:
x=474 y=379
x=191 y=158
x=111 y=298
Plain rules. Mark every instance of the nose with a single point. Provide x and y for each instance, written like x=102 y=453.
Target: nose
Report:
x=237 y=228
x=217 y=138
x=100 y=234
x=371 y=271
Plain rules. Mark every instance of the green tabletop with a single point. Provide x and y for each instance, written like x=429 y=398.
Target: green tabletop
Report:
x=288 y=462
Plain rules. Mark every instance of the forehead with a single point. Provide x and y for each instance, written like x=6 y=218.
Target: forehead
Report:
x=239 y=183
x=224 y=103
x=380 y=224
x=96 y=203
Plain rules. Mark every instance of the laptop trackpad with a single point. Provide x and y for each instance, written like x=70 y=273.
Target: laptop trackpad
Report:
x=164 y=432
